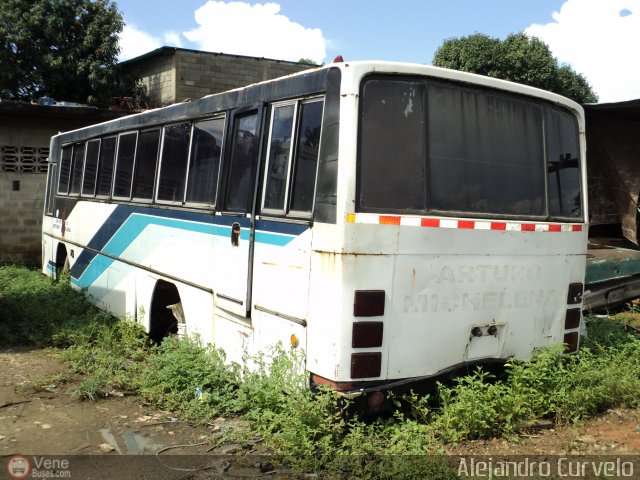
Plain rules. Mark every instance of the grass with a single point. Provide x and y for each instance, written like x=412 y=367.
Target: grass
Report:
x=311 y=432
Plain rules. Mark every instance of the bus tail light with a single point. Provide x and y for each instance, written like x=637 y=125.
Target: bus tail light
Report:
x=366 y=365
x=572 y=319
x=571 y=342
x=367 y=334
x=574 y=295
x=368 y=303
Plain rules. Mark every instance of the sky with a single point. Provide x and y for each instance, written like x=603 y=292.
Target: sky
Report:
x=598 y=38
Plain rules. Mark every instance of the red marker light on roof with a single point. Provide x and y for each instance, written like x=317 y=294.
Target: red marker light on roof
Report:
x=338 y=59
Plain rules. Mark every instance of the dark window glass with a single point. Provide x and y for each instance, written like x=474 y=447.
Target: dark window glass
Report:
x=392 y=146
x=244 y=156
x=305 y=167
x=204 y=165
x=76 y=170
x=91 y=168
x=485 y=152
x=124 y=165
x=173 y=165
x=279 y=156
x=51 y=187
x=105 y=165
x=146 y=162
x=65 y=169
x=563 y=164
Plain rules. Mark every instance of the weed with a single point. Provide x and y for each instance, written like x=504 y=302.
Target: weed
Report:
x=36 y=311
x=311 y=431
x=91 y=388
x=190 y=378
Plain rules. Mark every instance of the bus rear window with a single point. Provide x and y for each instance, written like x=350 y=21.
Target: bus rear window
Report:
x=429 y=146
x=392 y=146
x=563 y=164
x=485 y=152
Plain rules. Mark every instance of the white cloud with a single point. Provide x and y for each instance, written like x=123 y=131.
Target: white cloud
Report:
x=173 y=39
x=135 y=42
x=601 y=40
x=254 y=30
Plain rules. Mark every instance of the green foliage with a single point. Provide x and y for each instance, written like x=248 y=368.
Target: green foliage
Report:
x=36 y=311
x=110 y=355
x=181 y=368
x=64 y=49
x=518 y=58
x=311 y=432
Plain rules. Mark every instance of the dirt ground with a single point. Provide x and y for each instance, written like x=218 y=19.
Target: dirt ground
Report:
x=39 y=415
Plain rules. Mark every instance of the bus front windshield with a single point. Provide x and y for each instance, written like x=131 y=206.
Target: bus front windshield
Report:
x=434 y=147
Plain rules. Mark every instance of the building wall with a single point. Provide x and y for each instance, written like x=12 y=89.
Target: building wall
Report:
x=203 y=73
x=158 y=75
x=25 y=133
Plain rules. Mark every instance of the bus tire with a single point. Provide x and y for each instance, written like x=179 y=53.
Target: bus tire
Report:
x=162 y=322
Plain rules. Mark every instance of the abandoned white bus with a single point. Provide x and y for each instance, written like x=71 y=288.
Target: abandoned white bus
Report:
x=395 y=221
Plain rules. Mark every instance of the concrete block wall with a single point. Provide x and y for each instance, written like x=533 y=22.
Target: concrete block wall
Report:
x=202 y=73
x=158 y=74
x=25 y=126
x=21 y=203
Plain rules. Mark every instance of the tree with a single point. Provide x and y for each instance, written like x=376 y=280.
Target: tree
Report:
x=518 y=58
x=64 y=49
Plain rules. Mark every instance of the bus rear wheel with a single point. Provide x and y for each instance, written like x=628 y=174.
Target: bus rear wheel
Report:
x=163 y=322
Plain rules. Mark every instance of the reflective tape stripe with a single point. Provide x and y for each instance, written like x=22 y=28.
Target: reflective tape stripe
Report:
x=374 y=219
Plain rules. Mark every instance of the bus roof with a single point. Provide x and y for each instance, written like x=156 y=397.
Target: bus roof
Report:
x=306 y=82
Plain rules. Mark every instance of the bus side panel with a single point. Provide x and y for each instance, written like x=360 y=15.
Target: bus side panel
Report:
x=281 y=274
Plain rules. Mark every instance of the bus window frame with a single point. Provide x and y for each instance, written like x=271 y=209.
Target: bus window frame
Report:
x=113 y=168
x=117 y=162
x=287 y=212
x=156 y=199
x=84 y=170
x=234 y=116
x=541 y=103
x=50 y=190
x=58 y=191
x=272 y=107
x=225 y=117
x=303 y=214
x=73 y=166
x=160 y=130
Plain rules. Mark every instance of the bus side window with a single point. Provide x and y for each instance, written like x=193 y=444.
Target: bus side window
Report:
x=280 y=143
x=91 y=168
x=306 y=161
x=173 y=163
x=65 y=170
x=124 y=165
x=146 y=163
x=51 y=184
x=290 y=174
x=244 y=156
x=77 y=168
x=204 y=163
x=105 y=166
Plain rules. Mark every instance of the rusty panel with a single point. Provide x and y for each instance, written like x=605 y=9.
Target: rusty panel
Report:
x=613 y=149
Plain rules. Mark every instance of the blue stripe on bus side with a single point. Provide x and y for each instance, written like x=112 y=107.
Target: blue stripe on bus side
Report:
x=126 y=223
